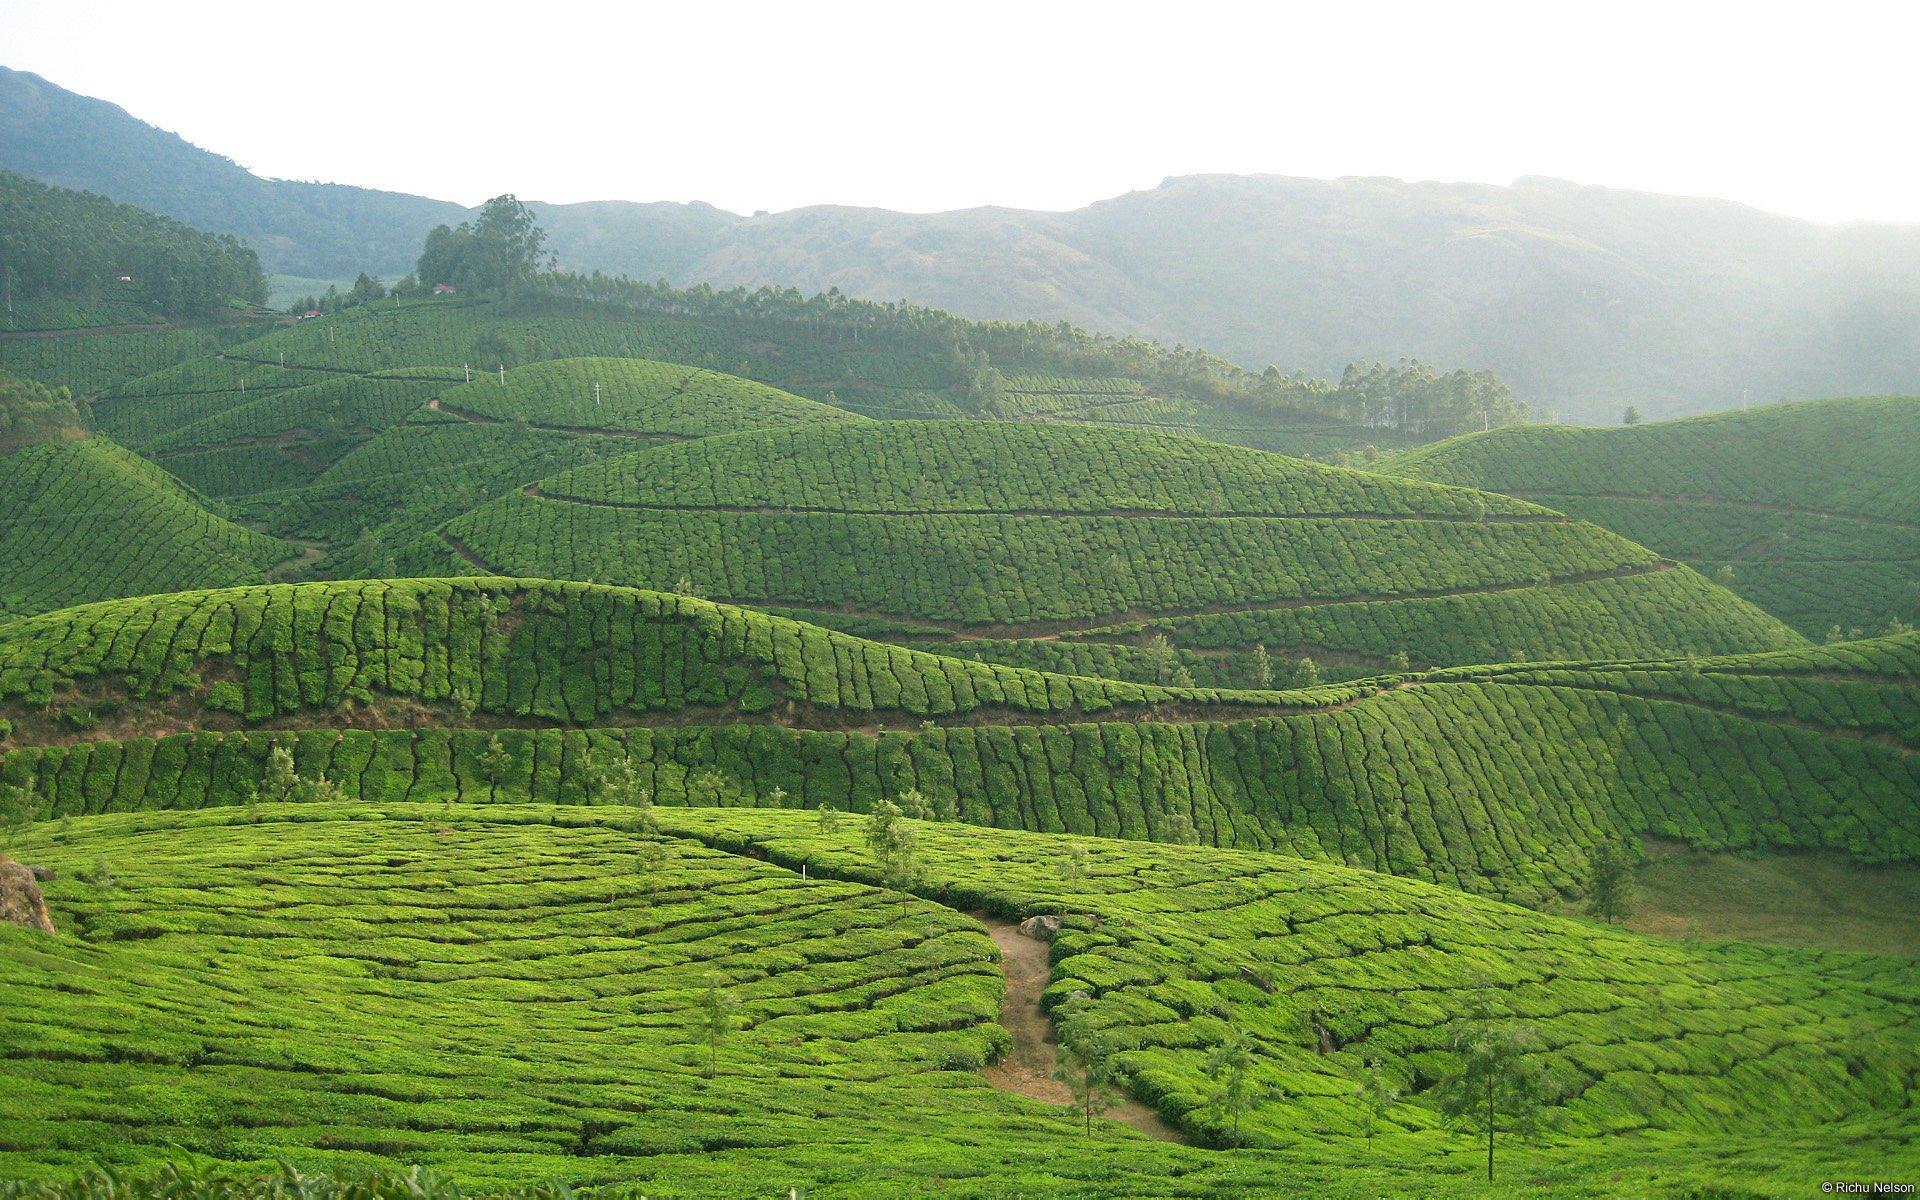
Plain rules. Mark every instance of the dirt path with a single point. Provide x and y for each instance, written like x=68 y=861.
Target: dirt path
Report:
x=1027 y=1070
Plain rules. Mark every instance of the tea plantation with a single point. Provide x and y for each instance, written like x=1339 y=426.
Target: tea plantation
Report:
x=82 y=519
x=509 y=994
x=1808 y=509
x=1028 y=531
x=575 y=737
x=1496 y=780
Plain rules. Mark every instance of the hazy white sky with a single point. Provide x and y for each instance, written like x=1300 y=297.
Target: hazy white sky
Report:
x=1803 y=109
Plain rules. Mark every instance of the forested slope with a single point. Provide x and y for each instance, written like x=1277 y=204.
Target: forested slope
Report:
x=71 y=246
x=1808 y=510
x=1497 y=780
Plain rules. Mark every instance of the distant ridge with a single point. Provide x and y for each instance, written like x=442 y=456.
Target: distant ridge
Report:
x=1583 y=298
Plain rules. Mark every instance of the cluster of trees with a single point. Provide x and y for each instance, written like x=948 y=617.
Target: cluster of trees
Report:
x=60 y=243
x=1412 y=397
x=365 y=290
x=496 y=252
x=32 y=413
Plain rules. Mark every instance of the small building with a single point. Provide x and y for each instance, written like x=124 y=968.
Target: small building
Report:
x=444 y=289
x=123 y=276
x=310 y=313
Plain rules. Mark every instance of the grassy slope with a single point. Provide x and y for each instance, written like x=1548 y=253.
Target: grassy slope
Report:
x=1825 y=901
x=1025 y=530
x=1496 y=779
x=1809 y=508
x=506 y=994
x=84 y=520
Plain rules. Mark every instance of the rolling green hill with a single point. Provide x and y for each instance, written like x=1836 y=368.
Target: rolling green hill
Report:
x=1495 y=779
x=510 y=994
x=82 y=519
x=243 y=445
x=1043 y=533
x=381 y=501
x=1811 y=511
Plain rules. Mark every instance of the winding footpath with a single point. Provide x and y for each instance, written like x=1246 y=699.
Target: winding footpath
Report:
x=1027 y=1070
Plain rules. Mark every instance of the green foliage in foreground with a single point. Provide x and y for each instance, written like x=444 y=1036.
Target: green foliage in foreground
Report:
x=1807 y=509
x=1497 y=779
x=85 y=520
x=513 y=994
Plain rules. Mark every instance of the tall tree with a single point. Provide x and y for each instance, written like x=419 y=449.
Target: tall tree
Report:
x=501 y=247
x=1498 y=1082
x=893 y=843
x=1230 y=1066
x=1086 y=1070
x=717 y=1021
x=1610 y=884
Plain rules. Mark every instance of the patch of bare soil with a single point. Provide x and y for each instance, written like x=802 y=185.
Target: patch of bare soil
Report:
x=1027 y=1070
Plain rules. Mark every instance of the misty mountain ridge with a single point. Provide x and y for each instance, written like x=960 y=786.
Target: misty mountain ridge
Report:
x=1584 y=298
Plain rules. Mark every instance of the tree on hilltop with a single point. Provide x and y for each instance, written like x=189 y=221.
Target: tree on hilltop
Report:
x=499 y=248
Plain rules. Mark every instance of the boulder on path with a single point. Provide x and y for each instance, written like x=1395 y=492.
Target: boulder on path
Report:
x=20 y=900
x=1042 y=928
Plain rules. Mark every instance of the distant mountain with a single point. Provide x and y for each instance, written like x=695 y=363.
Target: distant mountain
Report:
x=1583 y=298
x=318 y=229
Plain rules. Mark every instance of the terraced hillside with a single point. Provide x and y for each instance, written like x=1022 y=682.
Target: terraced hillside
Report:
x=1497 y=780
x=513 y=993
x=92 y=362
x=1042 y=534
x=382 y=502
x=259 y=445
x=1129 y=403
x=82 y=519
x=1810 y=510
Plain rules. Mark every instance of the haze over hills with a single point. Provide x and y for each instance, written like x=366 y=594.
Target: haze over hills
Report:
x=328 y=229
x=1583 y=298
